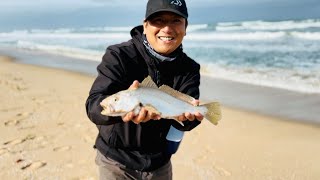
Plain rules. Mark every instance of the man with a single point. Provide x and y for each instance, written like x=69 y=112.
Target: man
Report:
x=134 y=146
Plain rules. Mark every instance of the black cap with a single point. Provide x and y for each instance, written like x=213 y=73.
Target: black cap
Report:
x=176 y=6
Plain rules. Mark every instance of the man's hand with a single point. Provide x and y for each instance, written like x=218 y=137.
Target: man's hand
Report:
x=191 y=117
x=134 y=85
x=143 y=116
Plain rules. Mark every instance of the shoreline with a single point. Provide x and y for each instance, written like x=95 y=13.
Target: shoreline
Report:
x=279 y=103
x=45 y=133
x=270 y=101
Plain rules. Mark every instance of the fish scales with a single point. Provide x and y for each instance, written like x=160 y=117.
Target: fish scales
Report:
x=164 y=101
x=169 y=106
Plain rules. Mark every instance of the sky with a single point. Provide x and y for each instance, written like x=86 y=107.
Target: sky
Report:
x=19 y=14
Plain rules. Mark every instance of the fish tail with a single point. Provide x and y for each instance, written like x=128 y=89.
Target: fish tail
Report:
x=214 y=112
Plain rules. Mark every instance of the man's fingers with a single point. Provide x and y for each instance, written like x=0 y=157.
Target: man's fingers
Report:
x=182 y=118
x=198 y=116
x=149 y=116
x=152 y=115
x=189 y=116
x=196 y=102
x=134 y=85
x=128 y=117
x=141 y=116
x=155 y=116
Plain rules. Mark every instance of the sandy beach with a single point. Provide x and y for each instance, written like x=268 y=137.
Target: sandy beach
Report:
x=45 y=134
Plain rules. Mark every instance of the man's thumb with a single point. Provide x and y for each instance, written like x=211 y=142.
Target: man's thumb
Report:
x=134 y=85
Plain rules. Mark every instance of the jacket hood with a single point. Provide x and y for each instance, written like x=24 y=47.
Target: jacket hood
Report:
x=136 y=34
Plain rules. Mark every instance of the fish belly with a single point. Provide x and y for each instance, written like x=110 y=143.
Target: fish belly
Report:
x=166 y=104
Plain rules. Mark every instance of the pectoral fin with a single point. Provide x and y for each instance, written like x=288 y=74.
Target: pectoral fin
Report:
x=152 y=109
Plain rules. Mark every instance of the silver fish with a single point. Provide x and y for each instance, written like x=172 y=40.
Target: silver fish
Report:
x=164 y=101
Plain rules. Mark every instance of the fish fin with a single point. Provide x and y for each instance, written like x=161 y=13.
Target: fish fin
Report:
x=152 y=109
x=176 y=94
x=214 y=112
x=148 y=82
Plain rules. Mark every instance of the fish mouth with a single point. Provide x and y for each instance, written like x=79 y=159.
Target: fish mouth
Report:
x=111 y=109
x=108 y=109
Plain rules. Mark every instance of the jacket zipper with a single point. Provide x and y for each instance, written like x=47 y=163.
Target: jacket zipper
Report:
x=156 y=72
x=158 y=78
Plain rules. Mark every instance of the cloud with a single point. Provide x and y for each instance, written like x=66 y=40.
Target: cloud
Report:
x=205 y=10
x=134 y=3
x=44 y=3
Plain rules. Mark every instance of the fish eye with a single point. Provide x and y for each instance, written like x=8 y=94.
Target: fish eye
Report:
x=116 y=99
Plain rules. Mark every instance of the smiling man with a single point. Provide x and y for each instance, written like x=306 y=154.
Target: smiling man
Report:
x=135 y=146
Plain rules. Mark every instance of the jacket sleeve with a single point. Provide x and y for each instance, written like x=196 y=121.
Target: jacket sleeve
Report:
x=190 y=85
x=110 y=80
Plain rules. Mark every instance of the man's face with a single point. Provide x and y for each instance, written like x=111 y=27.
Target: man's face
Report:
x=165 y=31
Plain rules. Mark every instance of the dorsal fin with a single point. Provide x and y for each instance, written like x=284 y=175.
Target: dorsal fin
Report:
x=148 y=82
x=177 y=94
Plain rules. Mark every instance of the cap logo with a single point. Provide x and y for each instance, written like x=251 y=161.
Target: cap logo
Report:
x=176 y=2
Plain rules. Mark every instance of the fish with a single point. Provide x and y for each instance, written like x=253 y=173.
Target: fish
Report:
x=164 y=101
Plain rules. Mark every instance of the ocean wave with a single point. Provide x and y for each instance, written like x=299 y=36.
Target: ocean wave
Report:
x=268 y=26
x=250 y=36
x=208 y=36
x=258 y=25
x=247 y=30
x=91 y=30
x=78 y=53
x=197 y=27
x=306 y=35
x=106 y=29
x=293 y=80
x=48 y=35
x=222 y=52
x=256 y=48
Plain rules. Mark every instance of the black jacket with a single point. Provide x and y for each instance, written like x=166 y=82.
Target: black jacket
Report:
x=142 y=146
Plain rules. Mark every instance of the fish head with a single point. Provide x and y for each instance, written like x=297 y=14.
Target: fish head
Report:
x=119 y=104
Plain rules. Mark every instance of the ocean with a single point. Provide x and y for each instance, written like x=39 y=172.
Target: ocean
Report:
x=279 y=54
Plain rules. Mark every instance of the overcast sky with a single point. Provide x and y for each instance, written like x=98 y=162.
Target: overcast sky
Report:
x=61 y=13
x=129 y=3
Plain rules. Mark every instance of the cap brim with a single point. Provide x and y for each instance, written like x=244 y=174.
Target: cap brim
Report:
x=167 y=10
